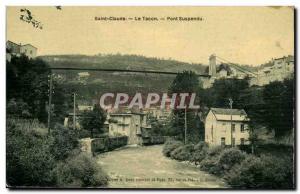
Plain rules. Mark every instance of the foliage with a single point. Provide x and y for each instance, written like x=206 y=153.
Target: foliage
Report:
x=62 y=101
x=157 y=127
x=183 y=153
x=221 y=91
x=265 y=172
x=27 y=84
x=185 y=82
x=171 y=145
x=28 y=17
x=29 y=160
x=230 y=157
x=279 y=107
x=82 y=133
x=33 y=158
x=94 y=120
x=17 y=109
x=80 y=171
x=239 y=169
x=64 y=141
x=210 y=162
x=200 y=152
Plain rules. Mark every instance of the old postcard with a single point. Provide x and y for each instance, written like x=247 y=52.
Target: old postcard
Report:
x=150 y=97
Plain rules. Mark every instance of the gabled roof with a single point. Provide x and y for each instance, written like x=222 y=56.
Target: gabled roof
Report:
x=224 y=111
x=29 y=45
x=11 y=42
x=222 y=114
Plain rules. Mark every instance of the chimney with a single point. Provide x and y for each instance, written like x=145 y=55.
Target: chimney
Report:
x=212 y=65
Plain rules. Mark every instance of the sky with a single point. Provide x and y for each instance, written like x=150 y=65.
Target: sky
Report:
x=245 y=35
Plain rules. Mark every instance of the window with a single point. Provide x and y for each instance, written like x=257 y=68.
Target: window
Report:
x=223 y=141
x=233 y=141
x=31 y=52
x=25 y=51
x=233 y=127
x=242 y=128
x=242 y=141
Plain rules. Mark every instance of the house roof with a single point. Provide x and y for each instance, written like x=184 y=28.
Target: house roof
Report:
x=224 y=111
x=11 y=42
x=222 y=114
x=29 y=45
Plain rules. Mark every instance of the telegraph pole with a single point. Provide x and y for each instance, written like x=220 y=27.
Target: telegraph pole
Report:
x=50 y=102
x=185 y=126
x=74 y=110
x=230 y=104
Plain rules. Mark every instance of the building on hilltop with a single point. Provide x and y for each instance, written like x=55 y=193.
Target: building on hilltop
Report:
x=226 y=127
x=14 y=49
x=276 y=70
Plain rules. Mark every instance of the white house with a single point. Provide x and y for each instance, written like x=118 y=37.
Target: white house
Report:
x=218 y=125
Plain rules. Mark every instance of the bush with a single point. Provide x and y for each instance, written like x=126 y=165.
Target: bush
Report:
x=29 y=160
x=64 y=141
x=200 y=152
x=265 y=172
x=171 y=145
x=211 y=162
x=80 y=171
x=230 y=157
x=214 y=151
x=183 y=153
x=82 y=133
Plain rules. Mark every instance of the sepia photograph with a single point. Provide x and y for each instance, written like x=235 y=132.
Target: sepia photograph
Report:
x=150 y=97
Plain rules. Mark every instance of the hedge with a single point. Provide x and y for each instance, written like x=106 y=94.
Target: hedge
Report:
x=239 y=169
x=104 y=144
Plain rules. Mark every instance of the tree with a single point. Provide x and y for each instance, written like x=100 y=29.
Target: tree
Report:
x=223 y=89
x=27 y=16
x=252 y=101
x=27 y=82
x=94 y=120
x=185 y=82
x=279 y=107
x=62 y=101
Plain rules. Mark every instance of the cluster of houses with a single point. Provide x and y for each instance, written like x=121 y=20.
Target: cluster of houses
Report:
x=222 y=126
x=277 y=69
